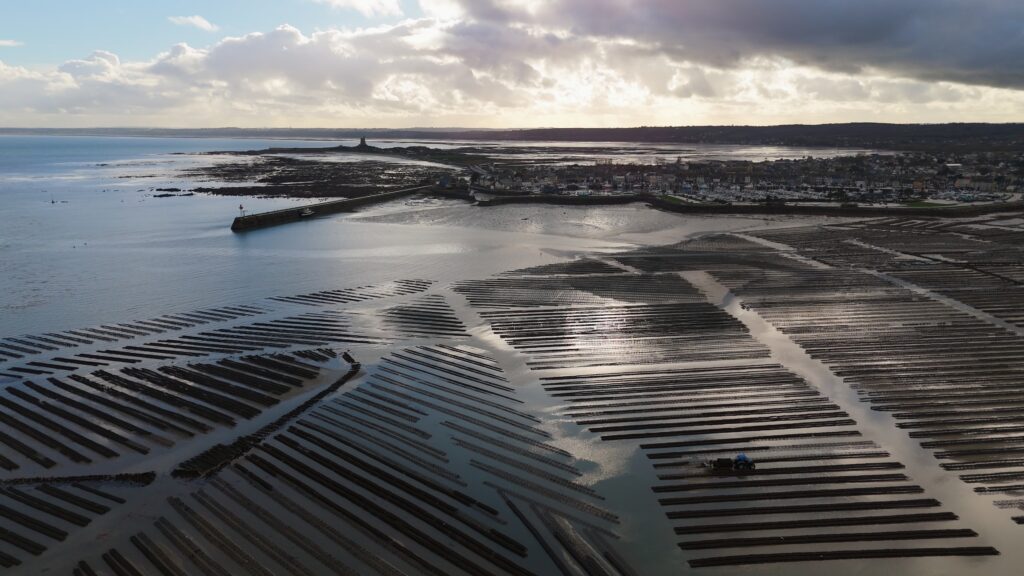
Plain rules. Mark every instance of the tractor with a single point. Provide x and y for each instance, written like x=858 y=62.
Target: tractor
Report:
x=741 y=463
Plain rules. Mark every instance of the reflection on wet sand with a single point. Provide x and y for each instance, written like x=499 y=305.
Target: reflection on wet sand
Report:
x=539 y=392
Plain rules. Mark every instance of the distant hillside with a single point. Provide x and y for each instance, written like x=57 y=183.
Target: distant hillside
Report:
x=855 y=135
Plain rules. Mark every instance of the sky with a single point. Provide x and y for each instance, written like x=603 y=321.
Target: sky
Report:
x=508 y=63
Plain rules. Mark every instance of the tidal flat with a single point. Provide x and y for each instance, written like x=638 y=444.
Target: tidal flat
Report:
x=528 y=389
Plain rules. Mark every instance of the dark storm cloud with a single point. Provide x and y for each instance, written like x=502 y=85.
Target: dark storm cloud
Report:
x=969 y=41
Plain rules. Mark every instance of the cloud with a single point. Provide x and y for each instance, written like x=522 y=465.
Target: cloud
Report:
x=523 y=63
x=194 y=21
x=10 y=43
x=441 y=9
x=965 y=41
x=367 y=8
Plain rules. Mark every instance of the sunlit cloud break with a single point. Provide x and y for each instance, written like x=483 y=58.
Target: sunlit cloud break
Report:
x=195 y=22
x=368 y=7
x=525 y=63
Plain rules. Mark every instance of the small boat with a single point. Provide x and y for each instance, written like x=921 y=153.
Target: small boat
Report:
x=306 y=212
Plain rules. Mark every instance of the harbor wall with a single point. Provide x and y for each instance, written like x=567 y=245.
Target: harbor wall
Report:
x=564 y=200
x=275 y=217
x=796 y=209
x=844 y=211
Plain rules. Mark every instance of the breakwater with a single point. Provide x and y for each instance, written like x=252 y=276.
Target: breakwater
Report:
x=663 y=203
x=275 y=217
x=564 y=200
x=961 y=211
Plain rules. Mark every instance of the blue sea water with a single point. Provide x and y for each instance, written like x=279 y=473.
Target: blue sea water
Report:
x=42 y=156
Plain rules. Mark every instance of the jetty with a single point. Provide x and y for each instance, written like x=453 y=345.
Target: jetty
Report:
x=275 y=217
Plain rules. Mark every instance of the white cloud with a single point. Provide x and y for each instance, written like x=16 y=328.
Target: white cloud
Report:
x=194 y=21
x=10 y=43
x=441 y=9
x=368 y=8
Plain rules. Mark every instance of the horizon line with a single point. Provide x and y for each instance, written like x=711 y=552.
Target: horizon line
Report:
x=511 y=129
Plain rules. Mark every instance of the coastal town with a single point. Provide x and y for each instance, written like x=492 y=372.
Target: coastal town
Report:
x=879 y=178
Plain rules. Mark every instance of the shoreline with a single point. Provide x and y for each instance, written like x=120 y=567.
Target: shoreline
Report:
x=959 y=211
